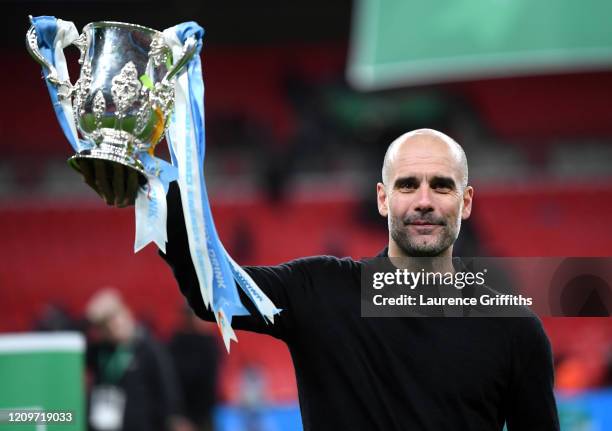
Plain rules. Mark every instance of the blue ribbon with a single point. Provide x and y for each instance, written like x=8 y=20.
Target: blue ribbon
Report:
x=159 y=168
x=225 y=294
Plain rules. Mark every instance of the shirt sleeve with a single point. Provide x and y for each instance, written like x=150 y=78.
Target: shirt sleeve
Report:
x=275 y=281
x=531 y=403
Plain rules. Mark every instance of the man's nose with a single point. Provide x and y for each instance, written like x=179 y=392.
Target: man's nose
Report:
x=423 y=202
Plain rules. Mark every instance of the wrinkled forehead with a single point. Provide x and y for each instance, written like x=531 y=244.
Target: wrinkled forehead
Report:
x=426 y=157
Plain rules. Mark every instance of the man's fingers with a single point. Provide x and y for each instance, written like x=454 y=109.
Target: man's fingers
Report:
x=88 y=174
x=118 y=183
x=115 y=183
x=131 y=188
x=102 y=181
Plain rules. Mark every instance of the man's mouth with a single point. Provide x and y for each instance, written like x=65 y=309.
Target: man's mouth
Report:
x=424 y=223
x=423 y=227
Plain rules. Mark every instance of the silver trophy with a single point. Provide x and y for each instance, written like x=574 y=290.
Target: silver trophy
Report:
x=124 y=96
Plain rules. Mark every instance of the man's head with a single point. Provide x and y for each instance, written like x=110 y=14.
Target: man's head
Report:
x=111 y=316
x=424 y=193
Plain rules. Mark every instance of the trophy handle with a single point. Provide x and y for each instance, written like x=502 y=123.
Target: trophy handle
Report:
x=189 y=48
x=32 y=47
x=52 y=76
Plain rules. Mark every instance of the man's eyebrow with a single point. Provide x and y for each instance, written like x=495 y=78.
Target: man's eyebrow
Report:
x=442 y=181
x=435 y=181
x=406 y=181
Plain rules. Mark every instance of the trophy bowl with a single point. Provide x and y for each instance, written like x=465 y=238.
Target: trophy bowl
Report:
x=124 y=96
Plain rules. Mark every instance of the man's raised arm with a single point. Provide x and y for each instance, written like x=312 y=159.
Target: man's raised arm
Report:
x=277 y=282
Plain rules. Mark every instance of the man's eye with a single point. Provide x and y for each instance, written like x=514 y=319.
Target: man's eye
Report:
x=442 y=188
x=407 y=187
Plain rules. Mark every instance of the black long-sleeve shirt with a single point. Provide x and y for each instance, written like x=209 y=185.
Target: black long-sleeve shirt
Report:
x=357 y=373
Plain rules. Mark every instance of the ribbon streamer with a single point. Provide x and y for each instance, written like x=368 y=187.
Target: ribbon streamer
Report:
x=216 y=270
x=150 y=207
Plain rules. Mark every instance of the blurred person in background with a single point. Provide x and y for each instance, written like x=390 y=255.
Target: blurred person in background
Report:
x=357 y=373
x=133 y=384
x=195 y=353
x=55 y=317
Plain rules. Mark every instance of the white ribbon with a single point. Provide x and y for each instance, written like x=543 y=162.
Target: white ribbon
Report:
x=151 y=213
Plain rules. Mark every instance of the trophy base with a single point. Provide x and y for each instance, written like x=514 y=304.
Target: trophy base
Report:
x=109 y=153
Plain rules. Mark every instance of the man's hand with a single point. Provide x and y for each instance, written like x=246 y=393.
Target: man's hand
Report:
x=115 y=183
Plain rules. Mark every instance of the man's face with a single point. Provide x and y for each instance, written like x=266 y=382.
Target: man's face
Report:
x=117 y=326
x=424 y=200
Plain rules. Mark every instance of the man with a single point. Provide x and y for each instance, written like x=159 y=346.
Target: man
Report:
x=357 y=373
x=133 y=383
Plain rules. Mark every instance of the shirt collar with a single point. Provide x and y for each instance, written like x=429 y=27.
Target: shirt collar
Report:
x=457 y=262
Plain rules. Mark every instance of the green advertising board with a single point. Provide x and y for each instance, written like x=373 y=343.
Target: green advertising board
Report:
x=409 y=42
x=42 y=374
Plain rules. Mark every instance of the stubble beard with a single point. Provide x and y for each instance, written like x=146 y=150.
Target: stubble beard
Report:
x=413 y=246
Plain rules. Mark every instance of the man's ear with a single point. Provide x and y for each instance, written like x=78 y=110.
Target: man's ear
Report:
x=381 y=199
x=468 y=195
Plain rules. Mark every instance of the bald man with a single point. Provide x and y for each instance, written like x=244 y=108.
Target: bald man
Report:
x=419 y=373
